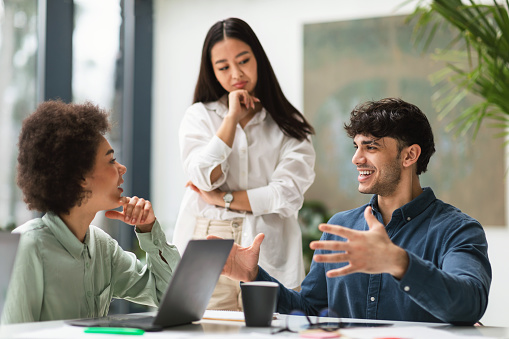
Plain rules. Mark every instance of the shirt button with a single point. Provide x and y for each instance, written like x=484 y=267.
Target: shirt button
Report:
x=156 y=242
x=372 y=298
x=406 y=288
x=89 y=294
x=408 y=219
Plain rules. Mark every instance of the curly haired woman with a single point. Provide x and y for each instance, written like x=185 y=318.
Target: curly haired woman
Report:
x=67 y=268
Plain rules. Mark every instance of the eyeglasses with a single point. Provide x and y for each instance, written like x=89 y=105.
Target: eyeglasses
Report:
x=294 y=324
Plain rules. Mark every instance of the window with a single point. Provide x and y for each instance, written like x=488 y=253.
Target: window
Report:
x=18 y=92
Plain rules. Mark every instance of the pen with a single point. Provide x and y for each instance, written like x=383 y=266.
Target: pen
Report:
x=115 y=330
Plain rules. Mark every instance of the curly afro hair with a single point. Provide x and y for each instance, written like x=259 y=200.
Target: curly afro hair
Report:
x=57 y=148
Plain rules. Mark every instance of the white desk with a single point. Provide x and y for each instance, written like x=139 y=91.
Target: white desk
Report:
x=222 y=329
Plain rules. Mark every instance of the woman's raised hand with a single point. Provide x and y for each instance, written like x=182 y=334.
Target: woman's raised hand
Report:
x=135 y=211
x=240 y=102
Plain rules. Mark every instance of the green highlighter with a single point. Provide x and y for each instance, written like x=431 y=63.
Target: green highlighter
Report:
x=115 y=330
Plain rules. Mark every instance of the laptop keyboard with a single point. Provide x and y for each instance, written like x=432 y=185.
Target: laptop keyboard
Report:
x=117 y=320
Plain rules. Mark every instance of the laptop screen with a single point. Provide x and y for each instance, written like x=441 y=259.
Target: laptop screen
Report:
x=8 y=247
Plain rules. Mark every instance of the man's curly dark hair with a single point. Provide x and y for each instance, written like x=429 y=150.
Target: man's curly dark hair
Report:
x=57 y=145
x=395 y=118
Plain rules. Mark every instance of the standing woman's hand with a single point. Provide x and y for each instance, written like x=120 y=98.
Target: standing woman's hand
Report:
x=135 y=211
x=240 y=104
x=214 y=197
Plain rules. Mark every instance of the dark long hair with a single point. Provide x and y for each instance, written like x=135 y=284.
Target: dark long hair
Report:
x=267 y=89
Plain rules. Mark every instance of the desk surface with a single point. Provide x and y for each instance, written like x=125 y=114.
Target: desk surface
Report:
x=238 y=329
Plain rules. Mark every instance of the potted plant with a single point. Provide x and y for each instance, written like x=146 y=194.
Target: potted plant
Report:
x=312 y=214
x=477 y=59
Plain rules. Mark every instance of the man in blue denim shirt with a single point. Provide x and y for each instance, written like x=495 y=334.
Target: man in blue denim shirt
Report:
x=404 y=256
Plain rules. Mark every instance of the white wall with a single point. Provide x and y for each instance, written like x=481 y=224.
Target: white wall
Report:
x=180 y=28
x=497 y=313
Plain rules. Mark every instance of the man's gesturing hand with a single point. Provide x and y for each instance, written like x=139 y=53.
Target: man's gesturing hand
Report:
x=365 y=251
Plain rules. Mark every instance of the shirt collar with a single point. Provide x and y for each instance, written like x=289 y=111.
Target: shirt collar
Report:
x=412 y=209
x=220 y=107
x=65 y=237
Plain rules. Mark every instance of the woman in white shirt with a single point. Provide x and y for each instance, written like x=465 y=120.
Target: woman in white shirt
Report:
x=248 y=155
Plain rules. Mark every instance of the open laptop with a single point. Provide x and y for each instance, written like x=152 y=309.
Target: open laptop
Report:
x=187 y=295
x=8 y=247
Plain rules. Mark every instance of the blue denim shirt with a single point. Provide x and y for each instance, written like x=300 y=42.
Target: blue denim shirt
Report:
x=447 y=280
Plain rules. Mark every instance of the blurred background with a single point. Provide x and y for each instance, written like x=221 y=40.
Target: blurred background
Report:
x=140 y=59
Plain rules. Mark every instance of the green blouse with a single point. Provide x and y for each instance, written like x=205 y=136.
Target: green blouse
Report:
x=58 y=277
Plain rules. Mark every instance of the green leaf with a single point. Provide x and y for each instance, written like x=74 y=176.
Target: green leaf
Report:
x=476 y=59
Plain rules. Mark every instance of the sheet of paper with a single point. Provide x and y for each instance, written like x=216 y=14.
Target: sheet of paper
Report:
x=223 y=315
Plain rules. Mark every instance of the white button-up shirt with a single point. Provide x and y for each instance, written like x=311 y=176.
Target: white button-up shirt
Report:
x=274 y=169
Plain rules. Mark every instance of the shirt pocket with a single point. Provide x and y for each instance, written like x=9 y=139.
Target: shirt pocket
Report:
x=103 y=301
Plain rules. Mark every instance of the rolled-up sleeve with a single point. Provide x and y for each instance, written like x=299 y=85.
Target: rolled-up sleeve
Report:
x=201 y=150
x=293 y=175
x=465 y=271
x=147 y=283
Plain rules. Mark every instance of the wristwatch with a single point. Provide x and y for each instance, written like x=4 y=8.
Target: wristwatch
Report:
x=227 y=198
